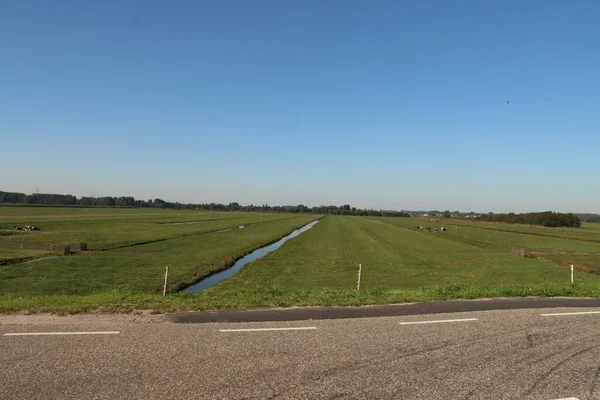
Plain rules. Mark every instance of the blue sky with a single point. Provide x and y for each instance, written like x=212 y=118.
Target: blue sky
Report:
x=386 y=104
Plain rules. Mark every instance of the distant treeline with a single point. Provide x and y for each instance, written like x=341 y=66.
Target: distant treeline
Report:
x=547 y=218
x=589 y=217
x=128 y=201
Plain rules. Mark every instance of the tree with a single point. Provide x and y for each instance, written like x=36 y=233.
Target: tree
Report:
x=547 y=218
x=106 y=201
x=87 y=201
x=446 y=214
x=159 y=203
x=126 y=201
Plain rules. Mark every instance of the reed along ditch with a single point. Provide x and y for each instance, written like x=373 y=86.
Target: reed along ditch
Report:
x=239 y=264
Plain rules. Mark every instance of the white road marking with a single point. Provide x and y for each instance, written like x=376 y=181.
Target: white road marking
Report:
x=437 y=321
x=61 y=333
x=568 y=398
x=570 y=313
x=300 y=328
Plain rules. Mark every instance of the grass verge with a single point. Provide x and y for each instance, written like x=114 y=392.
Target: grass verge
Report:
x=121 y=301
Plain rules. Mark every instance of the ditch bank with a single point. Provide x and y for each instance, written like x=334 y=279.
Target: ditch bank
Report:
x=259 y=253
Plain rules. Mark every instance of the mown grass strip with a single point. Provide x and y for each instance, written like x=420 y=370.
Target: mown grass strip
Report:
x=120 y=301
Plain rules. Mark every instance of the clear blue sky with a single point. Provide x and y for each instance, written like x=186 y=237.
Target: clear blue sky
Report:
x=381 y=104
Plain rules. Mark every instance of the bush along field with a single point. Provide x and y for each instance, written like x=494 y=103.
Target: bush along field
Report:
x=130 y=248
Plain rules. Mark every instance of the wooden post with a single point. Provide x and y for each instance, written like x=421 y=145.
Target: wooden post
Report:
x=166 y=274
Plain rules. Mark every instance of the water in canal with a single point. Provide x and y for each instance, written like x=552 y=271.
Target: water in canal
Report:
x=255 y=255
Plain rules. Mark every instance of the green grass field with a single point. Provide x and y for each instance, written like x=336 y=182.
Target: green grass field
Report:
x=591 y=226
x=394 y=257
x=501 y=238
x=589 y=231
x=104 y=228
x=564 y=246
x=129 y=249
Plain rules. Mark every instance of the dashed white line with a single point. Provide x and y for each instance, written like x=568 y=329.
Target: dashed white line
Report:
x=61 y=333
x=300 y=328
x=437 y=321
x=570 y=313
x=568 y=398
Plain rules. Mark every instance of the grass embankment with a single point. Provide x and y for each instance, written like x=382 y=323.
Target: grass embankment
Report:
x=119 y=301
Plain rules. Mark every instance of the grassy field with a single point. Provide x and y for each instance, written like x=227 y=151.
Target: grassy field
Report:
x=130 y=248
x=589 y=231
x=397 y=258
x=591 y=226
x=501 y=238
x=564 y=246
x=104 y=228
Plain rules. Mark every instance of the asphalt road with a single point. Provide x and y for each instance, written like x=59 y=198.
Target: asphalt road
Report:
x=385 y=310
x=502 y=354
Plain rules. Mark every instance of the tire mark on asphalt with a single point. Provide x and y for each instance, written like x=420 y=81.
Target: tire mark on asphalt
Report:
x=520 y=357
x=595 y=381
x=547 y=374
x=354 y=365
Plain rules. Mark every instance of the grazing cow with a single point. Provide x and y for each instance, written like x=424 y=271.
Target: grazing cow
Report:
x=443 y=229
x=435 y=230
x=457 y=228
x=428 y=229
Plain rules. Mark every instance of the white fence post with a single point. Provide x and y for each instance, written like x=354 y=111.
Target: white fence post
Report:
x=359 y=273
x=166 y=274
x=571 y=273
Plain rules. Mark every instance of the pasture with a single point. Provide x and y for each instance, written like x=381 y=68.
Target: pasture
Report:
x=129 y=249
x=396 y=257
x=564 y=246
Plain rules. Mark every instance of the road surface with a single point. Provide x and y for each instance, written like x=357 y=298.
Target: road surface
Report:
x=537 y=353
